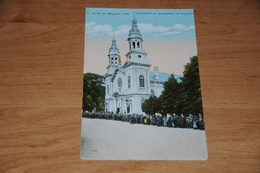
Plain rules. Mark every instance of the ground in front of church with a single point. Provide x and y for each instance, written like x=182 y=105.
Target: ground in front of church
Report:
x=116 y=140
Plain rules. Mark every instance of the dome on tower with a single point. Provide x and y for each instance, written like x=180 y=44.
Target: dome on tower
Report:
x=113 y=46
x=134 y=29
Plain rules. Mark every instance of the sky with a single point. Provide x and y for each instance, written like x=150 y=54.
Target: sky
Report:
x=169 y=37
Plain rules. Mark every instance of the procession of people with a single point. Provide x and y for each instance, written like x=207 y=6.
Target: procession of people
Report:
x=169 y=120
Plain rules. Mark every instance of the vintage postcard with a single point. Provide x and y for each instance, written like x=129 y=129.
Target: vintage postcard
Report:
x=141 y=92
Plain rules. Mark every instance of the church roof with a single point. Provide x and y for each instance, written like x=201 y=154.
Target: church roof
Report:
x=163 y=77
x=121 y=69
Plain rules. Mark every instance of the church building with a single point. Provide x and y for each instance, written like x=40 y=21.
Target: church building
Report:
x=130 y=84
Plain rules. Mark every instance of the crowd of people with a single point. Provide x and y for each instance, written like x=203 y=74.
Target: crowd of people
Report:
x=177 y=121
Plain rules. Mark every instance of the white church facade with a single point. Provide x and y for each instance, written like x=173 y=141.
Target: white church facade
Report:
x=130 y=84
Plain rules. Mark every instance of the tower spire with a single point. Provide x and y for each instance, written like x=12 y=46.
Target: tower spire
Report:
x=113 y=36
x=113 y=47
x=134 y=29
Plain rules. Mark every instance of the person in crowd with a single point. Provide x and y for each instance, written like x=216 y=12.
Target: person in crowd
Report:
x=164 y=120
x=153 y=121
x=195 y=122
x=148 y=120
x=132 y=119
x=145 y=120
x=138 y=119
x=169 y=122
x=188 y=123
x=201 y=122
x=182 y=121
x=141 y=119
x=160 y=122
x=178 y=121
x=113 y=116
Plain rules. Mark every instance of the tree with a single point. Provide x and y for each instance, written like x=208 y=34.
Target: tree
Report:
x=169 y=97
x=190 y=88
x=151 y=105
x=183 y=97
x=93 y=92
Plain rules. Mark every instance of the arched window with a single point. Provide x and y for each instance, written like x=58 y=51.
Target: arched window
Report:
x=119 y=82
x=108 y=89
x=139 y=56
x=152 y=92
x=129 y=81
x=134 y=45
x=141 y=81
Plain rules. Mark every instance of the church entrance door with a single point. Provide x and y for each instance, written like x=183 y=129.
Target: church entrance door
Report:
x=117 y=110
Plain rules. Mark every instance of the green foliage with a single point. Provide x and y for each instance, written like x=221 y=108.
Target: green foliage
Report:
x=151 y=105
x=191 y=91
x=170 y=95
x=93 y=92
x=184 y=97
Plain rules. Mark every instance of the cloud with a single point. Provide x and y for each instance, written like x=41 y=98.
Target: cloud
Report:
x=182 y=27
x=93 y=27
x=190 y=27
x=122 y=30
x=172 y=33
x=143 y=27
x=150 y=28
x=175 y=29
x=90 y=24
x=178 y=27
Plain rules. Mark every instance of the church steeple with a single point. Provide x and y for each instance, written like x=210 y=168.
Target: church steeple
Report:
x=135 y=38
x=136 y=53
x=113 y=56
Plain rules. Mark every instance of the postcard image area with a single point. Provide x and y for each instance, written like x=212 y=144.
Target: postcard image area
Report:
x=141 y=91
